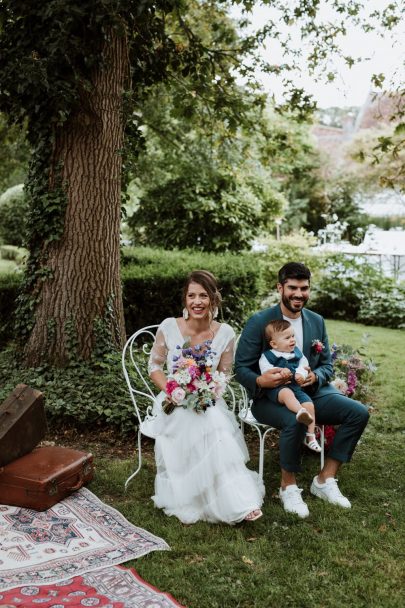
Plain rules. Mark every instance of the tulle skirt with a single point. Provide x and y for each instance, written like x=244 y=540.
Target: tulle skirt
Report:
x=200 y=462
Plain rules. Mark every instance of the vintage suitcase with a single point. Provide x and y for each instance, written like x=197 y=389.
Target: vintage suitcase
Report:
x=22 y=423
x=44 y=477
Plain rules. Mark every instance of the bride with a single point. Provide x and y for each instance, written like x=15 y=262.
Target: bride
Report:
x=200 y=457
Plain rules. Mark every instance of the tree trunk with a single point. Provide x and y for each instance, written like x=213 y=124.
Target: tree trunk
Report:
x=84 y=287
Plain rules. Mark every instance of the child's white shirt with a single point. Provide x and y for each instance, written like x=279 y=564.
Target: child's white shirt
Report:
x=265 y=365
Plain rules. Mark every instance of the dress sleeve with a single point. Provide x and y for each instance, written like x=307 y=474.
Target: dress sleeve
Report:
x=226 y=361
x=158 y=354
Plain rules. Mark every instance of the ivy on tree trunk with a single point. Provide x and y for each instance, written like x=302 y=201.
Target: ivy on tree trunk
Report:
x=82 y=280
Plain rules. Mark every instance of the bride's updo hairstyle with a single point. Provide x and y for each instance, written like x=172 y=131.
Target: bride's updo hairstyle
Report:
x=209 y=282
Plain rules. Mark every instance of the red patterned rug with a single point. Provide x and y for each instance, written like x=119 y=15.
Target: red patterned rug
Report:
x=77 y=535
x=113 y=587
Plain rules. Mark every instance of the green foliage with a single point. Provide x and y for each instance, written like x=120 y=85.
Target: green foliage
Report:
x=212 y=215
x=385 y=306
x=13 y=216
x=295 y=247
x=344 y=284
x=14 y=154
x=386 y=222
x=88 y=395
x=287 y=149
x=9 y=286
x=376 y=157
x=11 y=252
x=342 y=201
x=153 y=281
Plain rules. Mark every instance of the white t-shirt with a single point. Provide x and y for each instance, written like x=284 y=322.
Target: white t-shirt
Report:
x=298 y=331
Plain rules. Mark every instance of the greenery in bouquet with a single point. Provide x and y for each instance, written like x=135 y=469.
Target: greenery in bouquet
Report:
x=352 y=372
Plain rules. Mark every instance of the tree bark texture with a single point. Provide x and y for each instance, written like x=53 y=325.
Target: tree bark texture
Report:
x=85 y=263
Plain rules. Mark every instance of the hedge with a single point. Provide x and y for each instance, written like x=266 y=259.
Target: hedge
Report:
x=152 y=280
x=152 y=283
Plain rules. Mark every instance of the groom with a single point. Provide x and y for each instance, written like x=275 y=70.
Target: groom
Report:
x=331 y=407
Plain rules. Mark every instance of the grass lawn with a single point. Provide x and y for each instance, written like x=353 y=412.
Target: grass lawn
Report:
x=335 y=558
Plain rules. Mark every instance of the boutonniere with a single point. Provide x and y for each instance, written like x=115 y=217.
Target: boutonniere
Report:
x=317 y=346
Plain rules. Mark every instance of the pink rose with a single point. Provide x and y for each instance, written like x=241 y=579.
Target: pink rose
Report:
x=178 y=395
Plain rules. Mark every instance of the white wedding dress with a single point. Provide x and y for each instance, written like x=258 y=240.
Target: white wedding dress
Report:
x=200 y=457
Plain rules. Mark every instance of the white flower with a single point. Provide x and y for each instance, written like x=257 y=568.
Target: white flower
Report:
x=182 y=376
x=341 y=385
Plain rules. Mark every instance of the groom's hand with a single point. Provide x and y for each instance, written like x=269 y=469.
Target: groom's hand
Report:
x=274 y=377
x=310 y=379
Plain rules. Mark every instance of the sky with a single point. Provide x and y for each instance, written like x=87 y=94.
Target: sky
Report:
x=351 y=86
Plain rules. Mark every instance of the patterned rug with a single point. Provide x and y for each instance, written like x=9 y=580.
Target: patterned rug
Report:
x=113 y=587
x=79 y=534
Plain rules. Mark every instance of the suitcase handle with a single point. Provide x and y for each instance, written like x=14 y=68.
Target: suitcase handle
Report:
x=84 y=472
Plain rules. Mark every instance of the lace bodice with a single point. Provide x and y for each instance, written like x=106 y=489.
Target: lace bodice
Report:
x=168 y=336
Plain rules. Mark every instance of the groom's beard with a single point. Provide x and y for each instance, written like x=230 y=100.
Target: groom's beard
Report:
x=294 y=304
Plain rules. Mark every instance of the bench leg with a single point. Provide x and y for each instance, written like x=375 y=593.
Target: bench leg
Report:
x=139 y=462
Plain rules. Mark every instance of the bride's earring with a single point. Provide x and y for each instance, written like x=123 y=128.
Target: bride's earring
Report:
x=215 y=312
x=185 y=314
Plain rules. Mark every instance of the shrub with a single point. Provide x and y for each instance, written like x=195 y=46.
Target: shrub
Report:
x=294 y=248
x=385 y=306
x=12 y=252
x=342 y=286
x=13 y=216
x=9 y=286
x=215 y=214
x=153 y=280
x=86 y=394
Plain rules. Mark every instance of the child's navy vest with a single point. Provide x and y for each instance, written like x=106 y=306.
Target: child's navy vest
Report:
x=291 y=364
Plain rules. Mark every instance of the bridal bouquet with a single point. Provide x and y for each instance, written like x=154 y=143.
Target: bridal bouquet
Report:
x=191 y=383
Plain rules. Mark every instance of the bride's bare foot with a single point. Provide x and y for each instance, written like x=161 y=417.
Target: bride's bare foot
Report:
x=253 y=515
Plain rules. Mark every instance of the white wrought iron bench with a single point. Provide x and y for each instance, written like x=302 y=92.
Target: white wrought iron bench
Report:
x=135 y=356
x=134 y=365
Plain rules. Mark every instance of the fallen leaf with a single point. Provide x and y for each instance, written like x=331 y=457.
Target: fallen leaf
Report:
x=246 y=560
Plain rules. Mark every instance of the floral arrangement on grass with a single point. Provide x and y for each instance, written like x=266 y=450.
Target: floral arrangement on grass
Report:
x=192 y=384
x=352 y=376
x=353 y=372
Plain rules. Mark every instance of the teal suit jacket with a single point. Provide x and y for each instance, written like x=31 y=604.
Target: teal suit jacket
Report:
x=252 y=343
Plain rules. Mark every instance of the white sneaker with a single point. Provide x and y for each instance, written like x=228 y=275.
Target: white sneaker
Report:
x=330 y=492
x=292 y=501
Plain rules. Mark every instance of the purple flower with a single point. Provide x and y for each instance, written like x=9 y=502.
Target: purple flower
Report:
x=351 y=382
